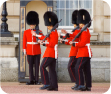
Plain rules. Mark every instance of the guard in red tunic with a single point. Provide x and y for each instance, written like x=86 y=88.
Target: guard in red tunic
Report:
x=31 y=47
x=50 y=54
x=82 y=68
x=74 y=50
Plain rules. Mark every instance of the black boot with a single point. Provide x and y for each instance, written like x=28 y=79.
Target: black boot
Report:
x=74 y=86
x=88 y=88
x=81 y=88
x=30 y=83
x=52 y=89
x=37 y=83
x=44 y=87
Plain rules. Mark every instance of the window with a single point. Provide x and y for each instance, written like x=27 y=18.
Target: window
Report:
x=66 y=7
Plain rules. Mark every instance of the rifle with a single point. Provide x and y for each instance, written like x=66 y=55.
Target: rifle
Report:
x=37 y=30
x=52 y=30
x=77 y=27
x=84 y=28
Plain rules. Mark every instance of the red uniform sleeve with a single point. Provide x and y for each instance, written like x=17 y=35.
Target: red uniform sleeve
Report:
x=53 y=39
x=40 y=32
x=74 y=33
x=24 y=40
x=85 y=37
x=72 y=37
x=67 y=37
x=67 y=42
x=42 y=37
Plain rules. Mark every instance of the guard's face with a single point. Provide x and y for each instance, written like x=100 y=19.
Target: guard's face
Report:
x=49 y=27
x=81 y=25
x=75 y=25
x=32 y=26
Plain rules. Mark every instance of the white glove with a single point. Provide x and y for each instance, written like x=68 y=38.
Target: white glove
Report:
x=24 y=50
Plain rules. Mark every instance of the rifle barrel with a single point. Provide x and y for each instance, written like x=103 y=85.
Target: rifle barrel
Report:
x=52 y=30
x=85 y=27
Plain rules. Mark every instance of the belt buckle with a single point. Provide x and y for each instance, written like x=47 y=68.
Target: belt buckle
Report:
x=32 y=42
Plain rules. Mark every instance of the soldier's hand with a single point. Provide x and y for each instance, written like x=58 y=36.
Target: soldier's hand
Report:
x=25 y=54
x=70 y=42
x=33 y=33
x=59 y=34
x=61 y=40
x=41 y=42
x=63 y=31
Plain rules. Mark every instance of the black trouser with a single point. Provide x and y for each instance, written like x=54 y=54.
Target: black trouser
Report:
x=83 y=69
x=33 y=59
x=51 y=64
x=71 y=68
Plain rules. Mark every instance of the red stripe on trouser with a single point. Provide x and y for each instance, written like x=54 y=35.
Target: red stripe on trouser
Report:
x=78 y=71
x=43 y=71
x=71 y=70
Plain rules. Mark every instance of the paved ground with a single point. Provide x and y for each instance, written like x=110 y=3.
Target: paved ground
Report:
x=64 y=88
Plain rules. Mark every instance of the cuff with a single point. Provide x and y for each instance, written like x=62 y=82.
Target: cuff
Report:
x=24 y=51
x=74 y=44
x=44 y=44
x=61 y=36
x=37 y=39
x=68 y=35
x=63 y=42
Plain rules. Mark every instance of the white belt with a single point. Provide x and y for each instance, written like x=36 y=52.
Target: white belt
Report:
x=46 y=42
x=66 y=40
x=89 y=50
x=56 y=52
x=32 y=43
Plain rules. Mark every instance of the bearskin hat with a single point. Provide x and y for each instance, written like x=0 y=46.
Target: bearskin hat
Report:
x=74 y=17
x=32 y=18
x=84 y=17
x=50 y=18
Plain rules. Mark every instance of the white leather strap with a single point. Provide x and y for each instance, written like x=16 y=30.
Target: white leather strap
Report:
x=74 y=42
x=38 y=35
x=65 y=40
x=56 y=51
x=32 y=43
x=89 y=50
x=46 y=42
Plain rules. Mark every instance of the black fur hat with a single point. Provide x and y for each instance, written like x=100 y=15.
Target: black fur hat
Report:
x=32 y=18
x=84 y=17
x=50 y=18
x=74 y=17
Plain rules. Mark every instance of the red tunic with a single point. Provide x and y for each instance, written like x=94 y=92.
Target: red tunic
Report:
x=31 y=49
x=83 y=50
x=74 y=50
x=53 y=41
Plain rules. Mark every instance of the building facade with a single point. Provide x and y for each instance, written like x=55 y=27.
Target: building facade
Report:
x=100 y=36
